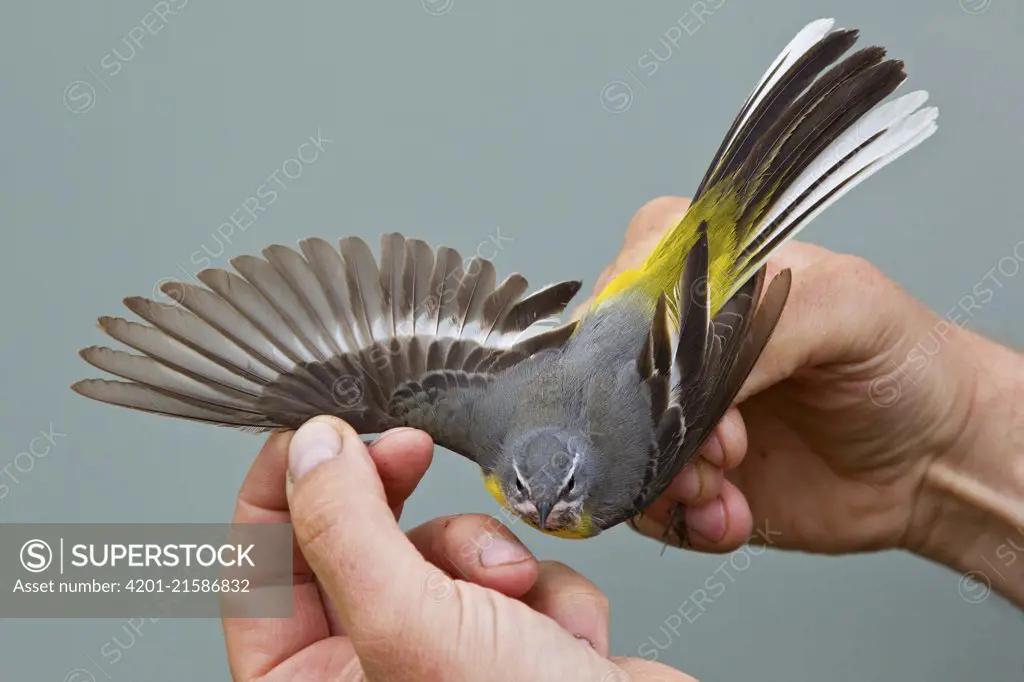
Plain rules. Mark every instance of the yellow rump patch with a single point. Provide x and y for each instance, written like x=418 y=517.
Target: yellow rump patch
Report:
x=622 y=281
x=719 y=209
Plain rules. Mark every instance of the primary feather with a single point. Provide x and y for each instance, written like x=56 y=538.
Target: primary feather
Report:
x=327 y=331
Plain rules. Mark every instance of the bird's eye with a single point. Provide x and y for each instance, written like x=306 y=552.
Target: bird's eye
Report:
x=519 y=486
x=571 y=486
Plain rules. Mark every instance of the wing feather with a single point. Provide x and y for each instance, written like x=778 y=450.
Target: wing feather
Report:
x=326 y=330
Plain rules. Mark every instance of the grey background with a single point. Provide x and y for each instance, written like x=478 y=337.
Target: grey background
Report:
x=450 y=119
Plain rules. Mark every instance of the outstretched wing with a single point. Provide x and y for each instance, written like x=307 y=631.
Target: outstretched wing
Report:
x=328 y=331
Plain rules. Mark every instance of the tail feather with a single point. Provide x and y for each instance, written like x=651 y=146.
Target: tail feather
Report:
x=806 y=134
x=771 y=124
x=769 y=145
x=813 y=128
x=850 y=160
x=864 y=132
x=766 y=90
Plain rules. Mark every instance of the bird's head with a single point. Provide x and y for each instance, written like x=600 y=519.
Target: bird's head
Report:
x=544 y=476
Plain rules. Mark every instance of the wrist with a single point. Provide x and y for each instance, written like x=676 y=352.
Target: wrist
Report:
x=970 y=510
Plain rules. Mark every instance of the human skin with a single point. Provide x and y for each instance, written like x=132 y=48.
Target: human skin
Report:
x=869 y=423
x=373 y=603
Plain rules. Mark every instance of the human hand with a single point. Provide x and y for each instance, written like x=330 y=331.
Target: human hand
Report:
x=860 y=398
x=374 y=603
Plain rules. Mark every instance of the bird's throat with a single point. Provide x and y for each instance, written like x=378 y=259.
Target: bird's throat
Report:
x=581 y=531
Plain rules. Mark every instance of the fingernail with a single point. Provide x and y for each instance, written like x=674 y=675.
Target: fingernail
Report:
x=388 y=434
x=497 y=551
x=708 y=521
x=584 y=640
x=313 y=443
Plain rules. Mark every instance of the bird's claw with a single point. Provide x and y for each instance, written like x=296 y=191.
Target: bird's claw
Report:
x=676 y=525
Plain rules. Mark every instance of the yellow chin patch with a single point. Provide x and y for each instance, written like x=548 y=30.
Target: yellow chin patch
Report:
x=494 y=488
x=583 y=530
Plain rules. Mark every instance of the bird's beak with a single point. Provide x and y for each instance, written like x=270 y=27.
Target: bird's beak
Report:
x=543 y=509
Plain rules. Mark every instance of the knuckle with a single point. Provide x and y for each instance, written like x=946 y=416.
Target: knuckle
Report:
x=856 y=269
x=382 y=650
x=857 y=281
x=391 y=637
x=655 y=215
x=663 y=205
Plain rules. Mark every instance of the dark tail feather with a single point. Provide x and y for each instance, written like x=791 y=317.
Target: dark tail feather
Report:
x=806 y=135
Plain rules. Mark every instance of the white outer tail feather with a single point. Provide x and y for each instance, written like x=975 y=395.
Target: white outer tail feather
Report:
x=807 y=38
x=906 y=126
x=906 y=129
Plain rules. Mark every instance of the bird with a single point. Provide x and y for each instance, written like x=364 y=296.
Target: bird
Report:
x=577 y=426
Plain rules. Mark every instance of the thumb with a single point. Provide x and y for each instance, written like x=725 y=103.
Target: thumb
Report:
x=405 y=618
x=366 y=565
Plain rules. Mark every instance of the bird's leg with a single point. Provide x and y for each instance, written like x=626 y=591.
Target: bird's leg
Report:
x=676 y=524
